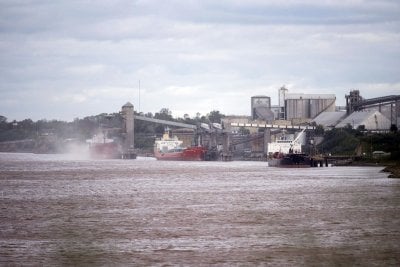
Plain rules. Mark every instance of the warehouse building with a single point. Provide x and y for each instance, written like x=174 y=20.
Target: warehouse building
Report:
x=369 y=120
x=329 y=119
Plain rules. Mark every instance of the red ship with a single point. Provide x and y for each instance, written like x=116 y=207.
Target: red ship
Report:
x=171 y=149
x=101 y=147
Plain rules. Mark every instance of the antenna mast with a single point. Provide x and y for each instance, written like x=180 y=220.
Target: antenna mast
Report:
x=139 y=96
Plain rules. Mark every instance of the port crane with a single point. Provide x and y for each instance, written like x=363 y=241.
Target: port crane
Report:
x=295 y=141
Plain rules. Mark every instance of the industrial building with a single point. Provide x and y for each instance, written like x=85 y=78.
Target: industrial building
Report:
x=292 y=106
x=369 y=120
x=296 y=108
x=329 y=119
x=261 y=108
x=352 y=100
x=375 y=114
x=389 y=105
x=281 y=98
x=308 y=106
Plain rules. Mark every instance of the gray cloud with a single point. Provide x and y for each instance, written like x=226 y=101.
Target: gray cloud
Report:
x=77 y=58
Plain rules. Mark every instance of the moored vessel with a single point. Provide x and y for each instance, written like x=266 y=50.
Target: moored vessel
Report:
x=284 y=146
x=288 y=153
x=101 y=147
x=291 y=160
x=168 y=148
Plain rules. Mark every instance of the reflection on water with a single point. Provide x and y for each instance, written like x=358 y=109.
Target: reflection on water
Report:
x=59 y=210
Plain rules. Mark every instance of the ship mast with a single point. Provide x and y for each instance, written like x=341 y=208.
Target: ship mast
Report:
x=139 y=96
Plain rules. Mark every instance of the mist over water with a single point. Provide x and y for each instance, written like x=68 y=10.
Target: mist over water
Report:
x=76 y=151
x=58 y=209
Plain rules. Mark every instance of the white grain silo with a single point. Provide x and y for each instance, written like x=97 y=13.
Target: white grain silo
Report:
x=308 y=106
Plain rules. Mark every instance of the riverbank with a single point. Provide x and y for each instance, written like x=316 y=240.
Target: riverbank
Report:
x=391 y=167
x=394 y=170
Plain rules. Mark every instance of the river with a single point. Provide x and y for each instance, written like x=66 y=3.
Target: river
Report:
x=62 y=210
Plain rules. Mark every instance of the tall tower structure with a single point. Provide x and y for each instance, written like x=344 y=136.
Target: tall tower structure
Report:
x=282 y=96
x=352 y=100
x=261 y=108
x=128 y=128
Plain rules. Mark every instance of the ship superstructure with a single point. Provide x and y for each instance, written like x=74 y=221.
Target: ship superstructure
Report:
x=287 y=153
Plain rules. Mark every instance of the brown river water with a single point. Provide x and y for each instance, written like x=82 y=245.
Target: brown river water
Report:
x=59 y=210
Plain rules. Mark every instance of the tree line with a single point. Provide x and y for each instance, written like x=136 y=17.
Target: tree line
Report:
x=85 y=128
x=349 y=141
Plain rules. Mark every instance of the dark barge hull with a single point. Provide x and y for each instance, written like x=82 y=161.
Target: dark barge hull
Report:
x=292 y=161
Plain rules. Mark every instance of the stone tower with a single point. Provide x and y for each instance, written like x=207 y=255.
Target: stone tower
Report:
x=128 y=129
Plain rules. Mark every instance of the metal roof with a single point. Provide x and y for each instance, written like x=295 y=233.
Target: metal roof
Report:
x=372 y=120
x=264 y=113
x=128 y=105
x=329 y=119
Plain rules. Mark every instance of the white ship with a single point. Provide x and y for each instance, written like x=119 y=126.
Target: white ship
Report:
x=285 y=146
x=287 y=153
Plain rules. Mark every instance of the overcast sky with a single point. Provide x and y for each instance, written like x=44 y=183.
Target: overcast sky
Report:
x=68 y=59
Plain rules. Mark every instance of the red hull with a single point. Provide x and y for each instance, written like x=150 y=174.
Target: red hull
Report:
x=190 y=154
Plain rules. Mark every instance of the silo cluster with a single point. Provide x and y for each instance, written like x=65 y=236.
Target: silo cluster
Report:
x=308 y=106
x=292 y=106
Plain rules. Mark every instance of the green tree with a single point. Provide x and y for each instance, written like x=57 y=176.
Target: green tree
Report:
x=215 y=116
x=164 y=114
x=340 y=141
x=3 y=123
x=319 y=130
